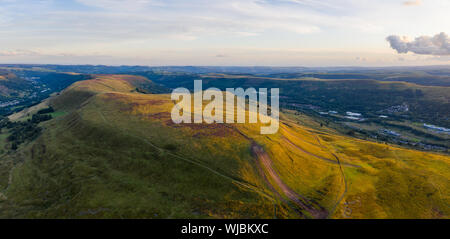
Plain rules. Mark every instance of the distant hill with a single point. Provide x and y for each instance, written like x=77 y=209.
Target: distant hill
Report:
x=114 y=152
x=422 y=75
x=11 y=85
x=426 y=103
x=20 y=88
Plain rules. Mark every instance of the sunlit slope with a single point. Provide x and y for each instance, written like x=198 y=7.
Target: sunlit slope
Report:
x=117 y=153
x=105 y=159
x=381 y=181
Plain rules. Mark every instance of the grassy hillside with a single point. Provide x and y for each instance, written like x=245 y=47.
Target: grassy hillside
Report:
x=116 y=153
x=364 y=95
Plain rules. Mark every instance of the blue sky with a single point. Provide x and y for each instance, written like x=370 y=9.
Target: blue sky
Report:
x=223 y=32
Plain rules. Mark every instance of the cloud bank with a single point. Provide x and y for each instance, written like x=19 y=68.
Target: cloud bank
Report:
x=226 y=32
x=19 y=52
x=438 y=45
x=412 y=3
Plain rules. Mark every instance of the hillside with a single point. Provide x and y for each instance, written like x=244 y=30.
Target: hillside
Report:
x=11 y=85
x=368 y=96
x=383 y=106
x=21 y=88
x=422 y=75
x=113 y=152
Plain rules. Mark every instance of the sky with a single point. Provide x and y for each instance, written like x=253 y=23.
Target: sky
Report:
x=226 y=32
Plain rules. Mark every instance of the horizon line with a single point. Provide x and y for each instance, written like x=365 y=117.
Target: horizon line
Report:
x=242 y=66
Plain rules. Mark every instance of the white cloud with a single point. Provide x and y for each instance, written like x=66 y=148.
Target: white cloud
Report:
x=438 y=45
x=19 y=52
x=123 y=5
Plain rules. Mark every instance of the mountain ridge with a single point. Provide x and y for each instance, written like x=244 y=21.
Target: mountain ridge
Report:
x=116 y=153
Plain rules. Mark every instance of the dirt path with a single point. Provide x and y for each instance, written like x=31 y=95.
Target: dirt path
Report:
x=195 y=162
x=10 y=178
x=315 y=155
x=316 y=211
x=2 y=196
x=266 y=170
x=320 y=157
x=339 y=200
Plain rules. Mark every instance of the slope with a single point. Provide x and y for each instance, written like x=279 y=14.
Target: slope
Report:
x=117 y=153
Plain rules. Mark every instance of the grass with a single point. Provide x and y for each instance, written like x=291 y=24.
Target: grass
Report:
x=58 y=114
x=115 y=153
